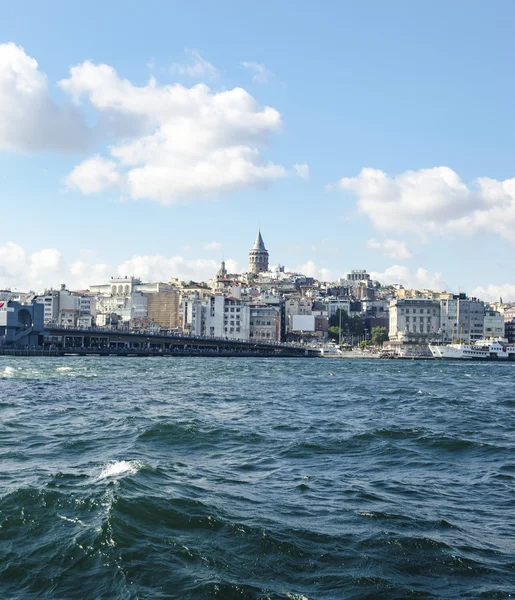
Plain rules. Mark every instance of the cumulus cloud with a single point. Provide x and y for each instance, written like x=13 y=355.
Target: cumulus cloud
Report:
x=169 y=143
x=434 y=201
x=196 y=67
x=160 y=268
x=302 y=170
x=419 y=279
x=30 y=120
x=191 y=142
x=24 y=271
x=213 y=246
x=493 y=292
x=313 y=270
x=260 y=74
x=391 y=248
x=93 y=175
x=82 y=274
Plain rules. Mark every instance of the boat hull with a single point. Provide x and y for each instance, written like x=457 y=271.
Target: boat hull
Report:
x=470 y=353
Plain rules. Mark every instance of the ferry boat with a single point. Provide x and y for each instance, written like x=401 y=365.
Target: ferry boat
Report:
x=496 y=349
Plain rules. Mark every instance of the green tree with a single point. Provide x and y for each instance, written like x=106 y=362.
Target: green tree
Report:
x=350 y=326
x=363 y=344
x=379 y=335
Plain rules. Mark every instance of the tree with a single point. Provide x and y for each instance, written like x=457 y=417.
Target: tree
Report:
x=363 y=344
x=379 y=335
x=334 y=333
x=350 y=326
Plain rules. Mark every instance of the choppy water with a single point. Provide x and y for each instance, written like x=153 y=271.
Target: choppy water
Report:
x=243 y=478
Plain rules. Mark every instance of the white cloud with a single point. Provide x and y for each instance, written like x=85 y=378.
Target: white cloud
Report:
x=391 y=248
x=12 y=260
x=302 y=170
x=312 y=270
x=197 y=67
x=169 y=143
x=260 y=73
x=93 y=175
x=419 y=279
x=160 y=268
x=24 y=271
x=21 y=270
x=232 y=266
x=82 y=274
x=30 y=120
x=213 y=246
x=185 y=142
x=434 y=201
x=493 y=292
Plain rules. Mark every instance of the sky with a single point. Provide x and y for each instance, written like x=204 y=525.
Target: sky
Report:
x=153 y=139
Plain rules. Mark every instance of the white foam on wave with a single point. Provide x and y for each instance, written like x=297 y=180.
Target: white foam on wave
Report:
x=120 y=469
x=63 y=369
x=9 y=371
x=72 y=520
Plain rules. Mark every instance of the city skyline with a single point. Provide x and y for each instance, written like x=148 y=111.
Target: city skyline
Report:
x=158 y=156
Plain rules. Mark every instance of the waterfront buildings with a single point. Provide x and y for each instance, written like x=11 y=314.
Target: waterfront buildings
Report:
x=271 y=304
x=66 y=308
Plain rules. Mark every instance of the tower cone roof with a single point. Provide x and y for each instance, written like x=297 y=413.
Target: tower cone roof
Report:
x=259 y=244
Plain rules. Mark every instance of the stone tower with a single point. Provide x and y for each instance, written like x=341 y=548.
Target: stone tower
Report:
x=258 y=256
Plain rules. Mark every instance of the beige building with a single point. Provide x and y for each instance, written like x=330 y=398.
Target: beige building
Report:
x=265 y=322
x=163 y=308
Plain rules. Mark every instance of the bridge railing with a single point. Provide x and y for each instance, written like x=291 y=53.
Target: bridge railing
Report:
x=171 y=336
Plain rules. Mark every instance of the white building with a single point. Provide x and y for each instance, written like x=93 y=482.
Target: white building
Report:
x=296 y=307
x=66 y=309
x=216 y=316
x=336 y=304
x=128 y=306
x=303 y=324
x=414 y=321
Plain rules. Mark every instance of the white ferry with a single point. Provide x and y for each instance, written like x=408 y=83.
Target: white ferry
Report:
x=496 y=349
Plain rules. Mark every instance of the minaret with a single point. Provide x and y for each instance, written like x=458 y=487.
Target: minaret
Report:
x=258 y=256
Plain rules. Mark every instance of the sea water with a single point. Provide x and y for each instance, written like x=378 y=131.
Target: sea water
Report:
x=236 y=478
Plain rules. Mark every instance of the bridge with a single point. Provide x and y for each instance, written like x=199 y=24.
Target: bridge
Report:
x=99 y=341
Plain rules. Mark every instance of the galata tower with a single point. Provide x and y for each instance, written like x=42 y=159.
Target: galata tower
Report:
x=258 y=256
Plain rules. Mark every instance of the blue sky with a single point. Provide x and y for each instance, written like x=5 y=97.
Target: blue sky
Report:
x=103 y=173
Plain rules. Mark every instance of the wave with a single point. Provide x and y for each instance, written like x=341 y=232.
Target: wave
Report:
x=120 y=468
x=9 y=372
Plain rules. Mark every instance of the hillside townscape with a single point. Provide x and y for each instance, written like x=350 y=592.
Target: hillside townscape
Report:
x=272 y=305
